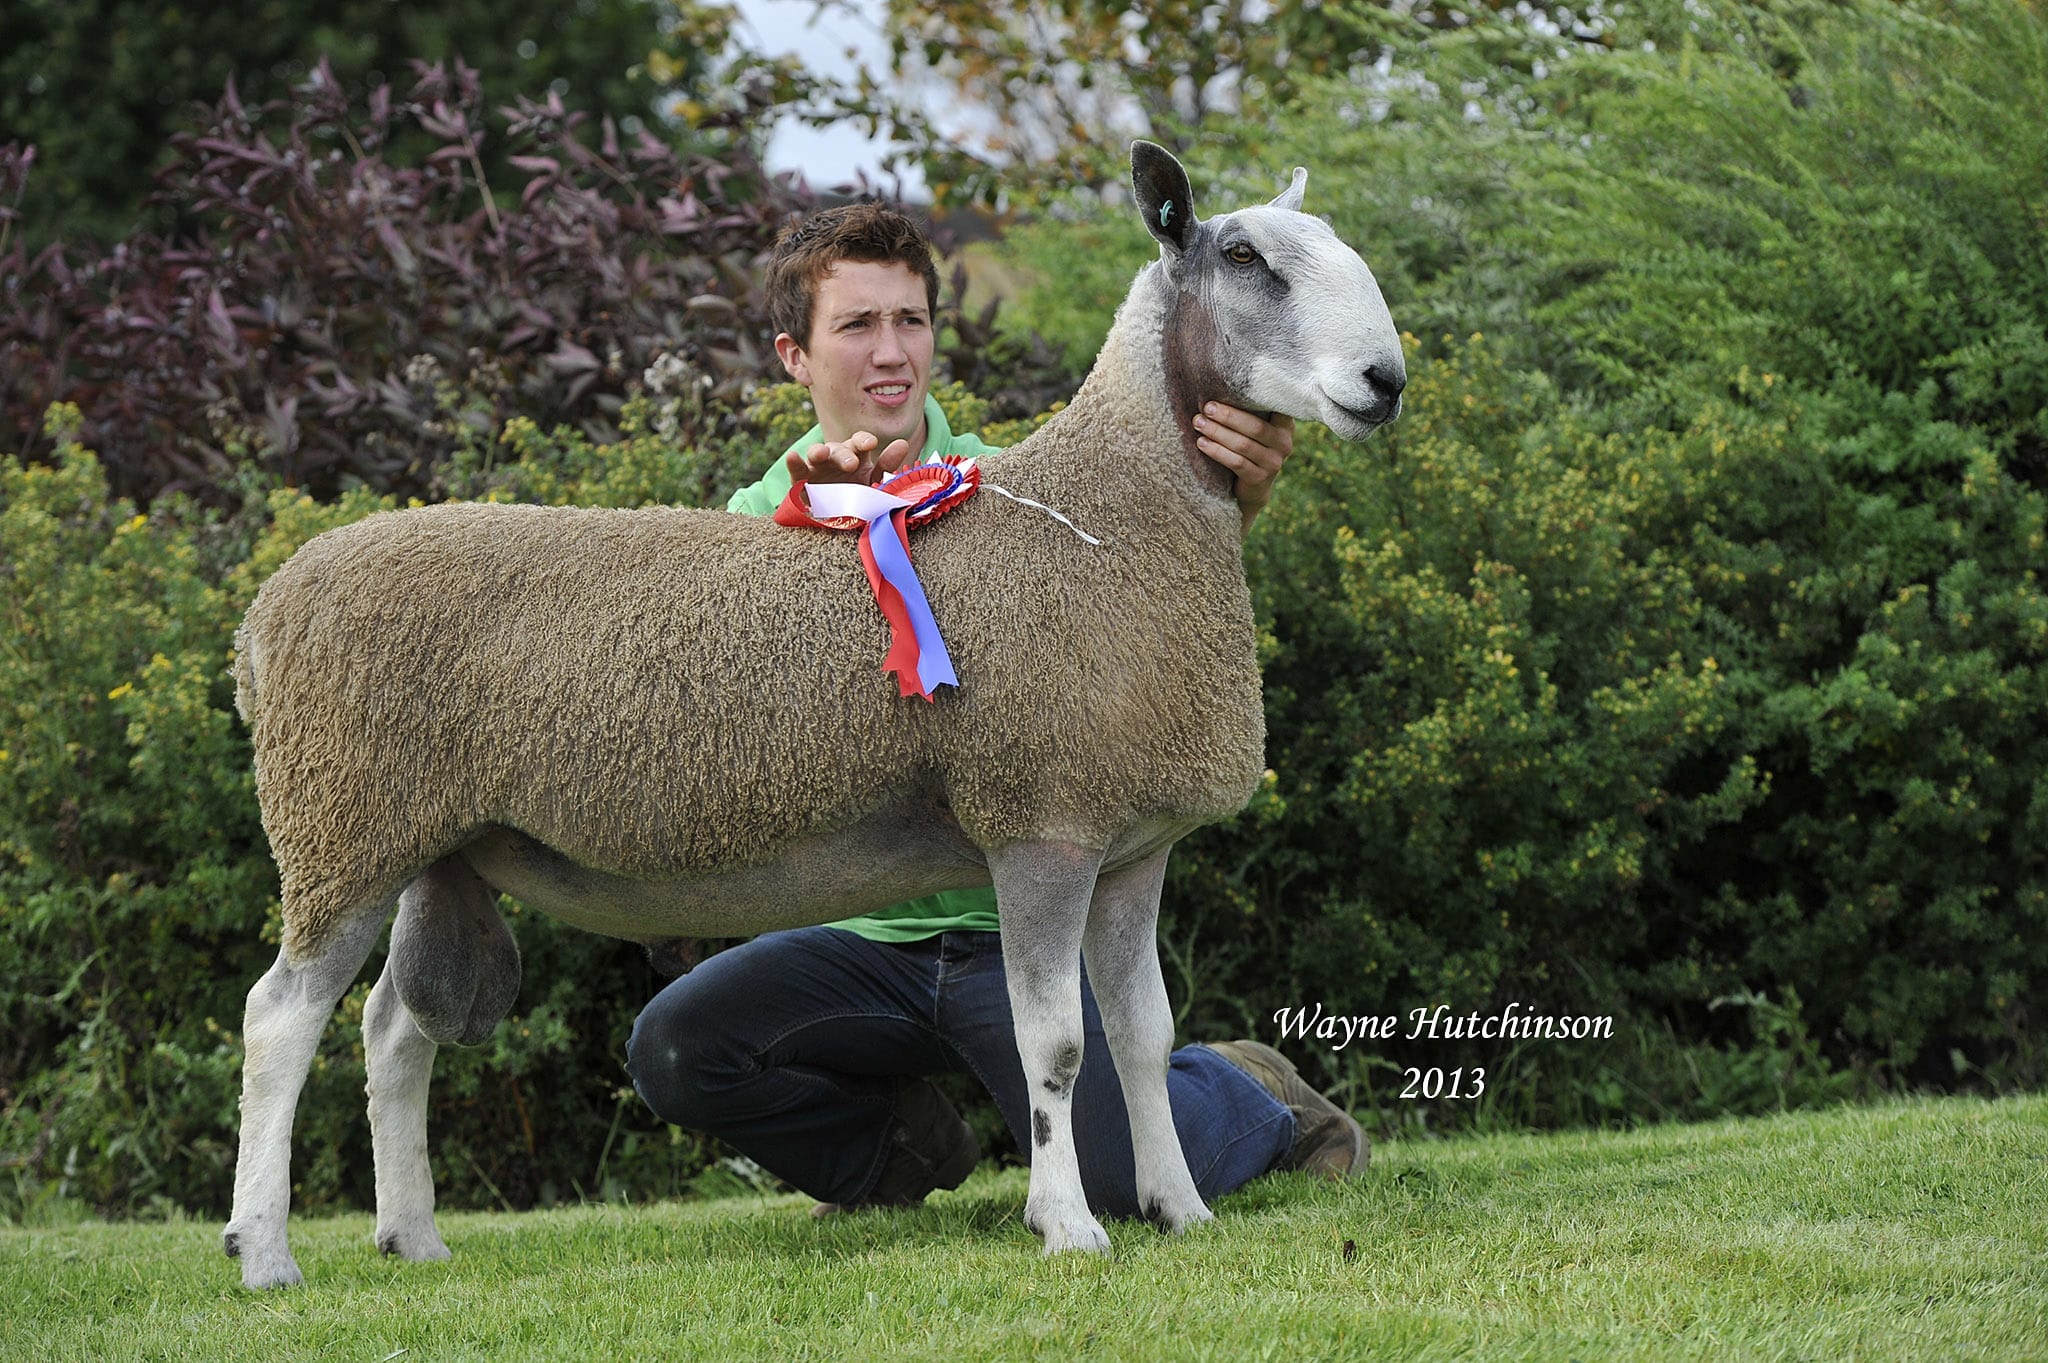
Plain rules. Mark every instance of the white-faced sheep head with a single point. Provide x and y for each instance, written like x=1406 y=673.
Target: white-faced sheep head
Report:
x=1267 y=309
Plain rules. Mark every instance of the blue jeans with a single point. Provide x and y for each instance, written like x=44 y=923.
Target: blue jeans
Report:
x=792 y=1049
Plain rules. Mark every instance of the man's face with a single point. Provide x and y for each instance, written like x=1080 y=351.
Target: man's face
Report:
x=869 y=358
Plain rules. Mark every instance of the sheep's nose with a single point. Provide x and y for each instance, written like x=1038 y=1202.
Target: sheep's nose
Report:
x=1386 y=384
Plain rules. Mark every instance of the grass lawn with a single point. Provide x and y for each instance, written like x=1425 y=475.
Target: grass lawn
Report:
x=1915 y=1230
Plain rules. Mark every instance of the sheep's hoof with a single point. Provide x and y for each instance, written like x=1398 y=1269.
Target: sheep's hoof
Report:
x=288 y=1276
x=262 y=1271
x=413 y=1246
x=1069 y=1230
x=1173 y=1219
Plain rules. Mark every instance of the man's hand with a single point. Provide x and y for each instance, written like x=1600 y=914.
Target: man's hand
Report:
x=1250 y=446
x=853 y=460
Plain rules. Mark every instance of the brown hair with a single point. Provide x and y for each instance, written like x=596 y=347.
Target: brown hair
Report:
x=865 y=232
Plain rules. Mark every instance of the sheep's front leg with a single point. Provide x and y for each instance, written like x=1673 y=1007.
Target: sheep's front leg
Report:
x=1122 y=949
x=288 y=1009
x=401 y=1062
x=1042 y=894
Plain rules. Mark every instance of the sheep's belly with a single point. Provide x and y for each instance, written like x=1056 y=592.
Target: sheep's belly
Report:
x=895 y=854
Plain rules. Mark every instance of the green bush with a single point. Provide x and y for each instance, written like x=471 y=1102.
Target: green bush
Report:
x=133 y=876
x=1849 y=197
x=1092 y=261
x=1498 y=697
x=1698 y=658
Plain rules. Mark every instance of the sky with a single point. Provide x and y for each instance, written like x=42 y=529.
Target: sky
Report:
x=826 y=156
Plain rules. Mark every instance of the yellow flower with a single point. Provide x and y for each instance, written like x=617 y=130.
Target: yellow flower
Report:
x=123 y=689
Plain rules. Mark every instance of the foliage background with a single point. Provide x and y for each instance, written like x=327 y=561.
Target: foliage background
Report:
x=1677 y=657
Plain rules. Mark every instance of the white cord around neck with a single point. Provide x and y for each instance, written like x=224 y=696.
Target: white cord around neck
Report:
x=1026 y=501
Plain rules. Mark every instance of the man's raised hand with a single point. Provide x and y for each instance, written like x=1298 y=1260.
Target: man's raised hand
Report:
x=853 y=460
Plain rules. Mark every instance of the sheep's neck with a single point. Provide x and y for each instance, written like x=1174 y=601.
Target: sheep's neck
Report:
x=1156 y=369
x=1187 y=353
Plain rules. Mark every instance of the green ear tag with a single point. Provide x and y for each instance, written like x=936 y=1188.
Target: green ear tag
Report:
x=1165 y=212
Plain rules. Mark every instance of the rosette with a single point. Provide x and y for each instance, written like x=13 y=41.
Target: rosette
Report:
x=884 y=514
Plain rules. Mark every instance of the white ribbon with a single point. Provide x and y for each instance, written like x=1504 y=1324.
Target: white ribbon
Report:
x=1026 y=501
x=851 y=499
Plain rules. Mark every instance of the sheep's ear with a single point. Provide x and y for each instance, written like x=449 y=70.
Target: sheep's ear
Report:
x=1290 y=197
x=1164 y=199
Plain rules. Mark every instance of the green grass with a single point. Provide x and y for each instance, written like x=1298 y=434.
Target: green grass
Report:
x=1912 y=1230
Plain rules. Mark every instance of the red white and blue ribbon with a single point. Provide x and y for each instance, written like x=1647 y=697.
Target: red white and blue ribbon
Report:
x=884 y=515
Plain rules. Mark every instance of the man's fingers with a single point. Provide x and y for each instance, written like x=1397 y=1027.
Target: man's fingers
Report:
x=1264 y=444
x=822 y=461
x=1239 y=452
x=1223 y=455
x=857 y=456
x=1232 y=419
x=1228 y=433
x=854 y=459
x=1276 y=430
x=1250 y=446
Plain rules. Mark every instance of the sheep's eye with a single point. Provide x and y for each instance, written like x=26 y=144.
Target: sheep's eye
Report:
x=1240 y=253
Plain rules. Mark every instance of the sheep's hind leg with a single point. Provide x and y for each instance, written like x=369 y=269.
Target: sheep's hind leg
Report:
x=288 y=1008
x=401 y=1062
x=1122 y=950
x=451 y=976
x=1042 y=894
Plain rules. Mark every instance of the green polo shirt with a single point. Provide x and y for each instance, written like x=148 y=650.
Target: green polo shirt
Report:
x=949 y=910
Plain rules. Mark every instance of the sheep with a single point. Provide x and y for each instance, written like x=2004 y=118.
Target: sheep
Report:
x=668 y=722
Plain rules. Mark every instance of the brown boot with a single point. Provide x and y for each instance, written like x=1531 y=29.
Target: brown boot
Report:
x=1327 y=1141
x=932 y=1147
